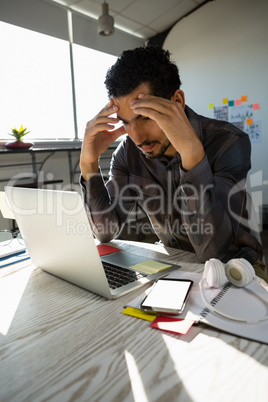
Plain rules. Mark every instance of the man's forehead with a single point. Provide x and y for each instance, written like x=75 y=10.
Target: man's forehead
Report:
x=144 y=88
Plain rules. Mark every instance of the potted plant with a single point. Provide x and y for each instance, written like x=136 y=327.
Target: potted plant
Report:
x=19 y=143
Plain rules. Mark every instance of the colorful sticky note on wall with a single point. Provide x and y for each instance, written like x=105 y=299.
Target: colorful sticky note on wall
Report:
x=237 y=102
x=255 y=106
x=225 y=101
x=249 y=122
x=231 y=103
x=211 y=105
x=244 y=98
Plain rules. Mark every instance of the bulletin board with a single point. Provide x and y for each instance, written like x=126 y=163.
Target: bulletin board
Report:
x=240 y=113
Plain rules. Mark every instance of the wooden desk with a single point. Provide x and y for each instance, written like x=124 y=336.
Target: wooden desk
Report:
x=59 y=342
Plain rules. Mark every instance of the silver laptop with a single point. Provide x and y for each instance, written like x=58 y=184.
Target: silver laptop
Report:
x=59 y=239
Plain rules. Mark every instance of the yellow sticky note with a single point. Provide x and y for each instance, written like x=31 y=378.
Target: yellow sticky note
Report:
x=225 y=101
x=211 y=105
x=134 y=312
x=150 y=266
x=249 y=122
x=244 y=98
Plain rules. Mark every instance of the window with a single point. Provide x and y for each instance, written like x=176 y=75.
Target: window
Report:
x=35 y=83
x=90 y=67
x=36 y=87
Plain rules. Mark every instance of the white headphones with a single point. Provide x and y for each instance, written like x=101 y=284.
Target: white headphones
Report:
x=237 y=271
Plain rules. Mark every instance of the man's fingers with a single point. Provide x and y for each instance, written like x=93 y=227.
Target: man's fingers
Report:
x=108 y=109
x=102 y=119
x=119 y=131
x=151 y=102
x=155 y=108
x=101 y=123
x=93 y=131
x=152 y=114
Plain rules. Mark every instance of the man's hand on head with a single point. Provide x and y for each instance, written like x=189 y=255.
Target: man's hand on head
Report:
x=100 y=133
x=171 y=118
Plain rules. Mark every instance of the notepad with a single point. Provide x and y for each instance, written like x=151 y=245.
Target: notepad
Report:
x=150 y=267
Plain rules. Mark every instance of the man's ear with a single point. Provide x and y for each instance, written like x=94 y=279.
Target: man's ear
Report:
x=178 y=96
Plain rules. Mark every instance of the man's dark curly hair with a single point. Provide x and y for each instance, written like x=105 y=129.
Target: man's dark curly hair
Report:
x=144 y=64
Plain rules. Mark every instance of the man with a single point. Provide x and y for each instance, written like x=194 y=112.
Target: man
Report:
x=188 y=172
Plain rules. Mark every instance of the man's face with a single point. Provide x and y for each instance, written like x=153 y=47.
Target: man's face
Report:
x=145 y=132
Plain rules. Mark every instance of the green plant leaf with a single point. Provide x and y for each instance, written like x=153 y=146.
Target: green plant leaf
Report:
x=18 y=134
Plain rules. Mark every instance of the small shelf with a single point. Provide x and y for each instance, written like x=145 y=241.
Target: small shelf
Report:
x=38 y=184
x=32 y=181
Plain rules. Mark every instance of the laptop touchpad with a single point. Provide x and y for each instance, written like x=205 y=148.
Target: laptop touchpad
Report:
x=123 y=259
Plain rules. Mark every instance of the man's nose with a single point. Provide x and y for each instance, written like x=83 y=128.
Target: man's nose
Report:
x=137 y=133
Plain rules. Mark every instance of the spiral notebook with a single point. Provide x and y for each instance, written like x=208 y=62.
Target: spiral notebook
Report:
x=250 y=302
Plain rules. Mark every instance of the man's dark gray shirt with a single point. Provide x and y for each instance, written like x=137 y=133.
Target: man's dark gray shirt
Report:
x=202 y=210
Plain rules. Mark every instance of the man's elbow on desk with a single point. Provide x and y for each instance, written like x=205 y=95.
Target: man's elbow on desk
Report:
x=103 y=233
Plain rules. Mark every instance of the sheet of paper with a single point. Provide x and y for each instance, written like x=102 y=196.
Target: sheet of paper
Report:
x=254 y=131
x=221 y=113
x=139 y=314
x=103 y=249
x=170 y=324
x=240 y=113
x=150 y=267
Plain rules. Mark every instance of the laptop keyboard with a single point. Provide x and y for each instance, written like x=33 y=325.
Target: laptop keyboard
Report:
x=118 y=276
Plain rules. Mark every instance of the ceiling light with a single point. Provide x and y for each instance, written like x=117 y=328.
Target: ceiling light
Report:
x=105 y=21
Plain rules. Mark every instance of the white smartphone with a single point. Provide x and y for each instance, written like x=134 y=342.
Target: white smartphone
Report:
x=168 y=295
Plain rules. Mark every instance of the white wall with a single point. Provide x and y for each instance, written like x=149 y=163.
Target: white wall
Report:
x=222 y=51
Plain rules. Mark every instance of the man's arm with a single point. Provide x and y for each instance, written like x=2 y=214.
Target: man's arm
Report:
x=99 y=135
x=213 y=204
x=108 y=205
